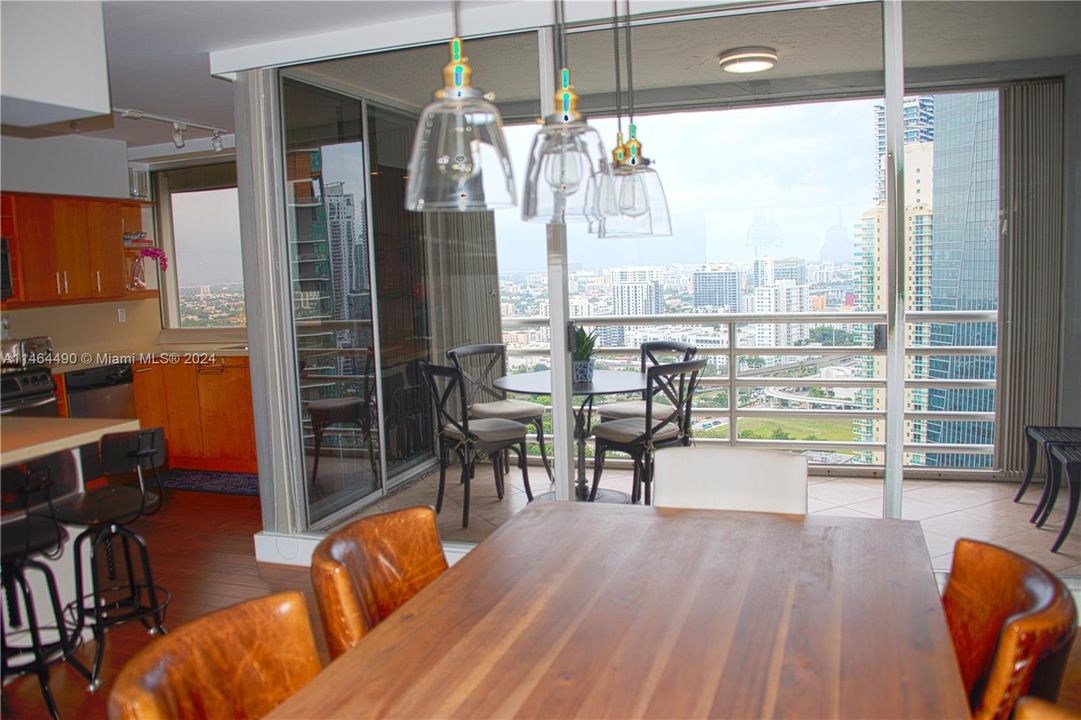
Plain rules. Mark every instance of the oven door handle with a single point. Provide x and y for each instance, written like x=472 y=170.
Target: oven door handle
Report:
x=40 y=403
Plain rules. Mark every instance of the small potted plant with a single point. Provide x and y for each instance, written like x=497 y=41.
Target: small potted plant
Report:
x=582 y=355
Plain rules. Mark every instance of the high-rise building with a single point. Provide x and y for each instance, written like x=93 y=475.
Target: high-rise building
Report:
x=794 y=269
x=636 y=274
x=633 y=298
x=784 y=296
x=964 y=268
x=870 y=284
x=637 y=298
x=919 y=114
x=763 y=272
x=718 y=289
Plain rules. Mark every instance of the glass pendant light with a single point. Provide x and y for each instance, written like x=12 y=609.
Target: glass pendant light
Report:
x=567 y=157
x=637 y=203
x=460 y=160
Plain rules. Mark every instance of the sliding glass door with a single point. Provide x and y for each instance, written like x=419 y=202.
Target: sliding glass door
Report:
x=330 y=268
x=401 y=278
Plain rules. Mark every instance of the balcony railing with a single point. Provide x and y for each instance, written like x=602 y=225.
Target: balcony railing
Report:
x=739 y=378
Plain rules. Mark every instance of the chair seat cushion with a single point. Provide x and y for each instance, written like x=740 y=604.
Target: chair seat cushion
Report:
x=630 y=429
x=491 y=430
x=104 y=505
x=633 y=409
x=507 y=410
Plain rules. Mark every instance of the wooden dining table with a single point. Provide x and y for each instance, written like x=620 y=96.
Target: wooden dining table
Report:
x=607 y=611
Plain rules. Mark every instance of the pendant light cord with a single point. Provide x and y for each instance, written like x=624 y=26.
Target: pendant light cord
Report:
x=619 y=87
x=561 y=19
x=630 y=67
x=457 y=5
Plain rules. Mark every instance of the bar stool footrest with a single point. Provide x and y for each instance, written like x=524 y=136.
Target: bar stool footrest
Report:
x=119 y=610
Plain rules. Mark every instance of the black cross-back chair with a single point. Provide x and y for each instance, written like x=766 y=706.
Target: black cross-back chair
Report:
x=663 y=424
x=653 y=353
x=350 y=410
x=35 y=534
x=106 y=511
x=470 y=439
x=485 y=400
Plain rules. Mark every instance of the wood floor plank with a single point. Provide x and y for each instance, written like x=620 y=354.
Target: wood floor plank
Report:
x=202 y=551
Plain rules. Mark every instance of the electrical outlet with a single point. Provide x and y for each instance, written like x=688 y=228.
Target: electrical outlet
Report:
x=121 y=315
x=5 y=327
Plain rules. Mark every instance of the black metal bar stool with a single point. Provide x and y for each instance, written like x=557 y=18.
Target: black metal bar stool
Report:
x=36 y=533
x=107 y=511
x=1040 y=435
x=1064 y=459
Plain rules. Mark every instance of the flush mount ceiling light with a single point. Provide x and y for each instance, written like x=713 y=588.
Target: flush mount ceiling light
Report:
x=748 y=59
x=460 y=160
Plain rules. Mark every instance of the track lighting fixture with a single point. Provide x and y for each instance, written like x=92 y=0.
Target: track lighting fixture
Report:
x=179 y=126
x=178 y=134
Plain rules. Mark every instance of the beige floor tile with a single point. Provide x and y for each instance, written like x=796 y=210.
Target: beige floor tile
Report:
x=962 y=523
x=909 y=485
x=938 y=544
x=815 y=505
x=843 y=493
x=942 y=562
x=1074 y=571
x=911 y=508
x=1036 y=545
x=844 y=512
x=952 y=496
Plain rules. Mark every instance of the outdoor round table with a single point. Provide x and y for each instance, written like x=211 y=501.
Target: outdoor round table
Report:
x=605 y=382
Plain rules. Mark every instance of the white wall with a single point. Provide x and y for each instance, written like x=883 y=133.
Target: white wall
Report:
x=53 y=66
x=65 y=165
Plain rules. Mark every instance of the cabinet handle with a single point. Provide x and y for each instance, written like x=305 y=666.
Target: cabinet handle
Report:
x=144 y=370
x=99 y=280
x=58 y=283
x=207 y=369
x=66 y=292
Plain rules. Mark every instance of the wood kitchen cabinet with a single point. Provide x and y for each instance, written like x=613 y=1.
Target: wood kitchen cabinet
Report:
x=104 y=240
x=35 y=250
x=65 y=249
x=225 y=413
x=205 y=410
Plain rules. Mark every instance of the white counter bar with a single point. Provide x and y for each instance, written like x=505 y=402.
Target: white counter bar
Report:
x=28 y=438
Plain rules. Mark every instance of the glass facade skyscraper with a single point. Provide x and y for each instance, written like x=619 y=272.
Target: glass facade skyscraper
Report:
x=964 y=267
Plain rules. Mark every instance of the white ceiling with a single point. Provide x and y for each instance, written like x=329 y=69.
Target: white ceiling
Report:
x=158 y=51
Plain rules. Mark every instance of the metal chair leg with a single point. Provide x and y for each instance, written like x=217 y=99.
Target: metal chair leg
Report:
x=1031 y=443
x=598 y=467
x=525 y=471
x=538 y=423
x=1073 y=482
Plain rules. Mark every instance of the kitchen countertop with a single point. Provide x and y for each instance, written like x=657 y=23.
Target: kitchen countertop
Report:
x=26 y=438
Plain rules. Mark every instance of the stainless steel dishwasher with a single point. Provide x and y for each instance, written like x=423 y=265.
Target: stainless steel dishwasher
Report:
x=104 y=391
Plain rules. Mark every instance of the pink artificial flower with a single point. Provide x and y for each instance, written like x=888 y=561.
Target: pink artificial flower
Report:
x=158 y=254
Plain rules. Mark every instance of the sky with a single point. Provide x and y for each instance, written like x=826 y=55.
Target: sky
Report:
x=802 y=165
x=206 y=229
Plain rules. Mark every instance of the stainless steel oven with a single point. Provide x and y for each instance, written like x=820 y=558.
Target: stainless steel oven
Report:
x=28 y=392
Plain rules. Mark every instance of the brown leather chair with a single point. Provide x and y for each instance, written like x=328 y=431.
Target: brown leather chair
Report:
x=366 y=570
x=1012 y=624
x=1030 y=708
x=239 y=662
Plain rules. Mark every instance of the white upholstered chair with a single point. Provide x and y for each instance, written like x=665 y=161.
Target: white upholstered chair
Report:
x=730 y=479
